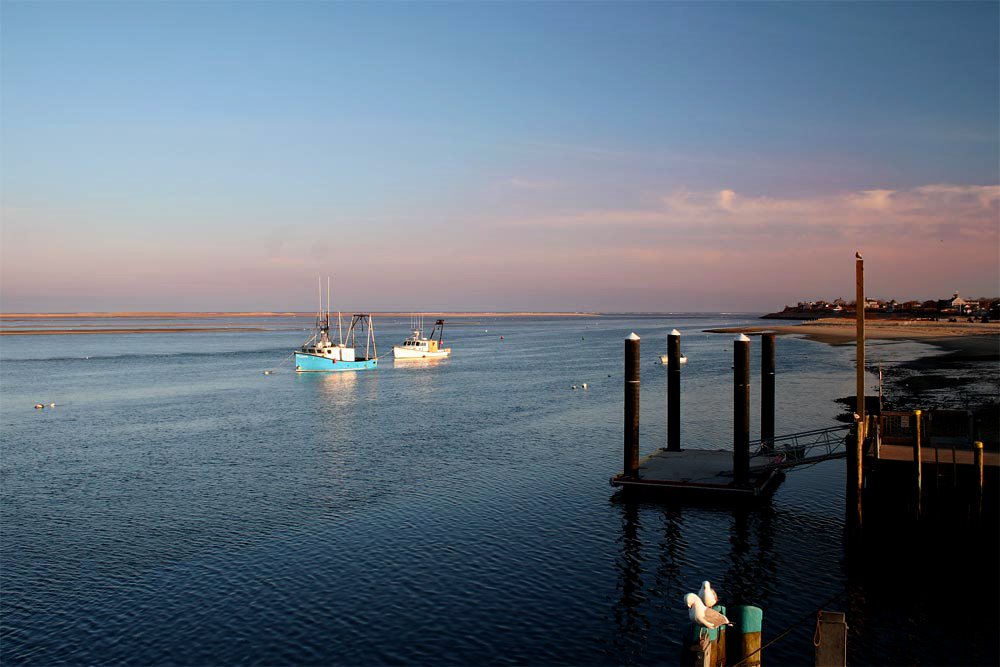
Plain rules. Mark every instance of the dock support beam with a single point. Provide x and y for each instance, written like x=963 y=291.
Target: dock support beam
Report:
x=741 y=411
x=917 y=462
x=674 y=391
x=977 y=452
x=631 y=467
x=831 y=639
x=767 y=392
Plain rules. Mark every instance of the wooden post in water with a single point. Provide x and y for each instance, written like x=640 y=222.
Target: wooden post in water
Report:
x=767 y=392
x=977 y=452
x=917 y=436
x=674 y=391
x=631 y=467
x=830 y=639
x=859 y=308
x=855 y=459
x=741 y=410
x=743 y=644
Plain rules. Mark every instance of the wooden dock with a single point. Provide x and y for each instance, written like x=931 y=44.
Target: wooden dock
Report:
x=697 y=473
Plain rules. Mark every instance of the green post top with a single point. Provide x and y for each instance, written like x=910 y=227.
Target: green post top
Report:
x=746 y=618
x=978 y=444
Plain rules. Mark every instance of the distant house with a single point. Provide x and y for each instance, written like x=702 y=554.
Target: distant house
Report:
x=956 y=304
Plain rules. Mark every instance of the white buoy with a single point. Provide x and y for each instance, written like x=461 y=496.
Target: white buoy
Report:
x=39 y=406
x=268 y=372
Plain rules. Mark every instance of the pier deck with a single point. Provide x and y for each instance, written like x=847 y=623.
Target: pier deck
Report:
x=696 y=472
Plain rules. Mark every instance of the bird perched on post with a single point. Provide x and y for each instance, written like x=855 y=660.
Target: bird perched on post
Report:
x=702 y=615
x=708 y=595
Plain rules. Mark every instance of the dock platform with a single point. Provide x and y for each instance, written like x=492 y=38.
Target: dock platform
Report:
x=700 y=473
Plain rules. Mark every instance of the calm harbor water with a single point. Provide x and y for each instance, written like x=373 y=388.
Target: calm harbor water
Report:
x=178 y=506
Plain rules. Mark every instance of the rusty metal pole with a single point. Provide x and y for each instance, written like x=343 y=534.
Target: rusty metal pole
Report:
x=767 y=392
x=674 y=391
x=917 y=434
x=631 y=467
x=741 y=410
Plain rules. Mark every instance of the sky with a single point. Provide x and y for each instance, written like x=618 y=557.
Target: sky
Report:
x=565 y=156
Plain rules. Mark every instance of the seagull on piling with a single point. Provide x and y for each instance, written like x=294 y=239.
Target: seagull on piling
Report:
x=702 y=615
x=707 y=595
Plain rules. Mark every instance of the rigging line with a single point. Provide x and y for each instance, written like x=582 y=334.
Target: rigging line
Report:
x=792 y=626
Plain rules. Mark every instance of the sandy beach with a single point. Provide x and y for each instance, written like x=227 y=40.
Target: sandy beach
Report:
x=838 y=331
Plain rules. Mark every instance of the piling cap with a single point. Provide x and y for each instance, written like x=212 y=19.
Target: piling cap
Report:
x=632 y=336
x=978 y=444
x=675 y=332
x=743 y=338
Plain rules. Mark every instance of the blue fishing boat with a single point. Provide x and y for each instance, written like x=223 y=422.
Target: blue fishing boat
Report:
x=321 y=354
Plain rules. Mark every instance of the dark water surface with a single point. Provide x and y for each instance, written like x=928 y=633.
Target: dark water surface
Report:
x=180 y=507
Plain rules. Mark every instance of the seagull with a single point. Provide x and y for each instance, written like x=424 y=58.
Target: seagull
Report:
x=708 y=595
x=858 y=255
x=702 y=615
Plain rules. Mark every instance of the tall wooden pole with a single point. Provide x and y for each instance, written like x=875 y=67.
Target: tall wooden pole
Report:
x=859 y=307
x=917 y=459
x=767 y=392
x=631 y=467
x=855 y=475
x=741 y=410
x=674 y=391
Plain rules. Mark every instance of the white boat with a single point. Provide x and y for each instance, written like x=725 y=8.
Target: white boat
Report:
x=664 y=358
x=417 y=346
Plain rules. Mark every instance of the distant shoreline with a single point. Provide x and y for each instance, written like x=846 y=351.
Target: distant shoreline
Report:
x=838 y=331
x=194 y=315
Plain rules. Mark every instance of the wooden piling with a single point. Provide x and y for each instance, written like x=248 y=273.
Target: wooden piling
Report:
x=743 y=645
x=977 y=452
x=855 y=454
x=830 y=639
x=859 y=308
x=917 y=436
x=674 y=391
x=631 y=467
x=741 y=410
x=767 y=392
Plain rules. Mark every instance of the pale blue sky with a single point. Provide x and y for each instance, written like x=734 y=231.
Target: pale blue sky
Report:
x=221 y=155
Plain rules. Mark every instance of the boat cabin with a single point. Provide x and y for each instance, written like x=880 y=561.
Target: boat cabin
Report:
x=422 y=345
x=330 y=351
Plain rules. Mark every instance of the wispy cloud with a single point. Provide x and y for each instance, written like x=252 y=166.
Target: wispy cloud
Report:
x=967 y=209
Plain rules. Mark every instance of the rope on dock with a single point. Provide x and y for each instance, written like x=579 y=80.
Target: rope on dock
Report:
x=791 y=627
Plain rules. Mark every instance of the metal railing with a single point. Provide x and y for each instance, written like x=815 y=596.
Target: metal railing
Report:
x=794 y=449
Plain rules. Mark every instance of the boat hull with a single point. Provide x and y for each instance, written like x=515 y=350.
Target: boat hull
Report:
x=408 y=353
x=311 y=363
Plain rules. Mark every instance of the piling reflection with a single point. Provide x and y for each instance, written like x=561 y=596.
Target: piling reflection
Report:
x=666 y=551
x=628 y=610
